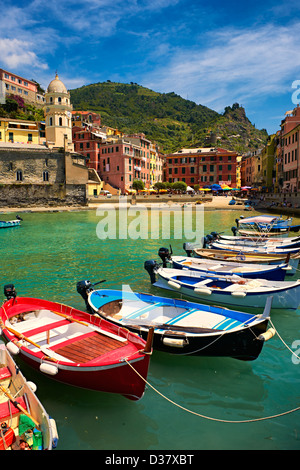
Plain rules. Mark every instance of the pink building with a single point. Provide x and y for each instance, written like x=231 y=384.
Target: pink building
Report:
x=118 y=159
x=12 y=84
x=290 y=143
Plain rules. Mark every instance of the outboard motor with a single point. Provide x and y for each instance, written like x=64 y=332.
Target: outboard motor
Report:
x=83 y=288
x=164 y=255
x=9 y=291
x=188 y=248
x=205 y=240
x=234 y=230
x=150 y=266
x=215 y=235
x=19 y=218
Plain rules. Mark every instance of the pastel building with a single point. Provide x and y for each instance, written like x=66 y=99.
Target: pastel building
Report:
x=118 y=159
x=290 y=143
x=203 y=166
x=251 y=169
x=18 y=131
x=12 y=84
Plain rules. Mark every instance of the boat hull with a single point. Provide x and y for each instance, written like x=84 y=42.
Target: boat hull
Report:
x=277 y=273
x=283 y=298
x=242 y=257
x=117 y=378
x=9 y=223
x=35 y=409
x=89 y=359
x=240 y=343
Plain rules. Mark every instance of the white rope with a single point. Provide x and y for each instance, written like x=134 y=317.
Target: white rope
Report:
x=218 y=419
x=209 y=417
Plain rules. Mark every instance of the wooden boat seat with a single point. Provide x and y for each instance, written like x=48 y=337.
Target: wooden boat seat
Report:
x=7 y=408
x=39 y=328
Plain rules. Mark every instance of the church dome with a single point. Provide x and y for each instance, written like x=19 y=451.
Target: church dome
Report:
x=56 y=86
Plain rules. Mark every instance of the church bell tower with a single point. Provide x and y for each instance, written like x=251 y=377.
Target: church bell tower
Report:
x=58 y=116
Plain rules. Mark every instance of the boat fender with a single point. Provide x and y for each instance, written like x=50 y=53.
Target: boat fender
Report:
x=32 y=386
x=13 y=348
x=238 y=294
x=202 y=291
x=267 y=335
x=54 y=432
x=50 y=369
x=174 y=343
x=174 y=284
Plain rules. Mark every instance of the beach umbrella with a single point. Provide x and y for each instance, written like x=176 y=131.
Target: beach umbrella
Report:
x=215 y=187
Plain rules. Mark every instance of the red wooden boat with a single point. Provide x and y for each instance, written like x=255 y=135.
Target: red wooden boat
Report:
x=75 y=347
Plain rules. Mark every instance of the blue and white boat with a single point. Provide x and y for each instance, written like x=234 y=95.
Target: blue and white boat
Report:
x=240 y=242
x=229 y=291
x=10 y=223
x=182 y=327
x=221 y=268
x=265 y=222
x=269 y=249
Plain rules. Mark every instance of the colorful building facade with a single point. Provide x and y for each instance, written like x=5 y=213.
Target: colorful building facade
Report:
x=12 y=84
x=19 y=131
x=290 y=143
x=203 y=166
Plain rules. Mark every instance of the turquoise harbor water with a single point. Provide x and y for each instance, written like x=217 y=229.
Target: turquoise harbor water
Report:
x=52 y=251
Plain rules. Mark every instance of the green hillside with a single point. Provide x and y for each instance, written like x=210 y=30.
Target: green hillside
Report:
x=166 y=118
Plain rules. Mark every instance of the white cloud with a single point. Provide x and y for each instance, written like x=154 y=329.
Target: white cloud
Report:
x=15 y=53
x=236 y=65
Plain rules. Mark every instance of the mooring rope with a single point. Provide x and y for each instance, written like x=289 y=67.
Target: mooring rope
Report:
x=253 y=420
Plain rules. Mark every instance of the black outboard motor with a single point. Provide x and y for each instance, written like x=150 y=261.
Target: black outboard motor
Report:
x=188 y=248
x=19 y=218
x=9 y=291
x=234 y=230
x=215 y=235
x=164 y=255
x=150 y=267
x=83 y=288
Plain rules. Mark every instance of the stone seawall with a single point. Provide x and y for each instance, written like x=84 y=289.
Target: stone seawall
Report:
x=27 y=194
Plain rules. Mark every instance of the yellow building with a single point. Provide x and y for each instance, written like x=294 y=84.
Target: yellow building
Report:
x=19 y=131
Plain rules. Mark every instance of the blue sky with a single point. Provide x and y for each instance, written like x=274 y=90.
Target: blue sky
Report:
x=214 y=53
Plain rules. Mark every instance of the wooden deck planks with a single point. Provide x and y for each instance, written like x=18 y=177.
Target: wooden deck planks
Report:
x=88 y=348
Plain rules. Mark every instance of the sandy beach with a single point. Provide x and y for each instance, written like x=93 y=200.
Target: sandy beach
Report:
x=217 y=203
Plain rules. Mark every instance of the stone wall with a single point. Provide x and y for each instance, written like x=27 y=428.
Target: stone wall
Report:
x=27 y=195
x=48 y=177
x=32 y=163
